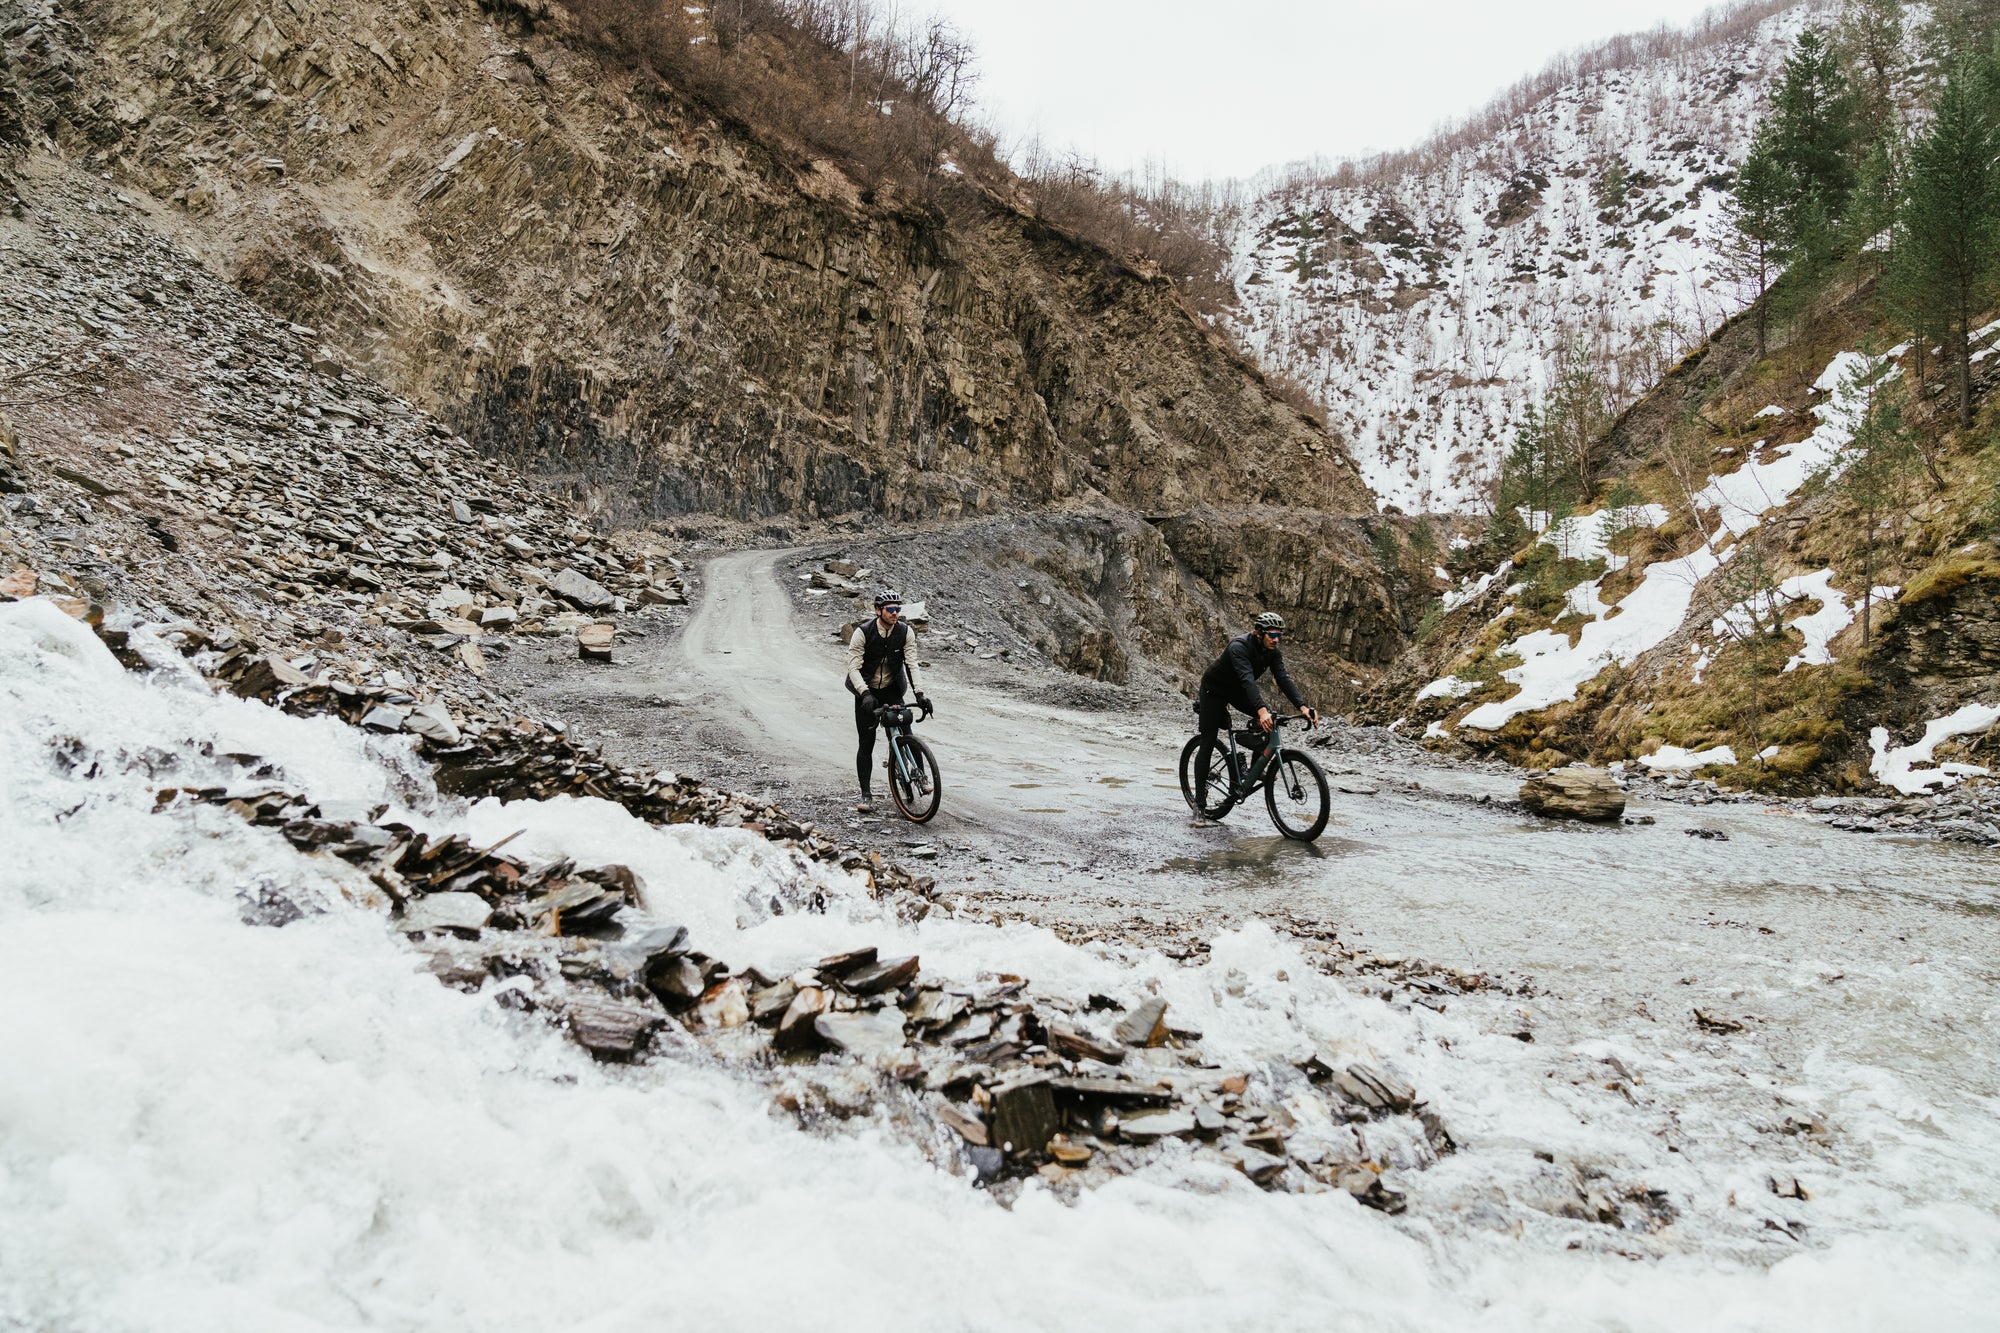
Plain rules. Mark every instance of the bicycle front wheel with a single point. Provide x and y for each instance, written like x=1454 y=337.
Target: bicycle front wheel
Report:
x=915 y=785
x=1215 y=798
x=1296 y=795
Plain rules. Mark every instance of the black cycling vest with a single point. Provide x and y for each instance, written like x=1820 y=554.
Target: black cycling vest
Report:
x=878 y=649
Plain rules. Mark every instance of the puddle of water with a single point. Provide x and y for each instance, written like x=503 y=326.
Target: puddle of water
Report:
x=1027 y=810
x=1116 y=782
x=1023 y=785
x=1261 y=855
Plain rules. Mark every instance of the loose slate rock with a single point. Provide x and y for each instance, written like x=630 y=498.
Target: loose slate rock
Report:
x=1373 y=1088
x=1257 y=1164
x=1146 y=1025
x=447 y=911
x=869 y=1033
x=1080 y=1045
x=584 y=593
x=608 y=1029
x=1153 y=1126
x=1024 y=1114
x=885 y=975
x=796 y=1030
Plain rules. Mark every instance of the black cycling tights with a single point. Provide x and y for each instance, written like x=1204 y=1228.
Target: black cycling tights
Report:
x=865 y=725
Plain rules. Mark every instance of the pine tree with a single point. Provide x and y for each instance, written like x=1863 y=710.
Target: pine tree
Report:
x=1948 y=228
x=1813 y=130
x=1761 y=231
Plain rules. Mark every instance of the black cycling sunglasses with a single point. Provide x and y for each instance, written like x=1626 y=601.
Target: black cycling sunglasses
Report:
x=895 y=607
x=1272 y=633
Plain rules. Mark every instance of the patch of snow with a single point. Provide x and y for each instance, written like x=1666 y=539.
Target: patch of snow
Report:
x=1447 y=687
x=1553 y=668
x=1673 y=759
x=1819 y=627
x=1588 y=536
x=1467 y=592
x=1435 y=730
x=1768 y=752
x=1743 y=497
x=1897 y=767
x=1583 y=600
x=1772 y=411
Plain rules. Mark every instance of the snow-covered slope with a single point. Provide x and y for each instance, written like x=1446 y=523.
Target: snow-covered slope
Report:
x=1424 y=308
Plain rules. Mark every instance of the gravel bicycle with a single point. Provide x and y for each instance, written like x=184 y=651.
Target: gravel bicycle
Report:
x=914 y=782
x=1294 y=786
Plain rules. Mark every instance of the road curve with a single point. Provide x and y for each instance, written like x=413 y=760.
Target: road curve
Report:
x=1018 y=775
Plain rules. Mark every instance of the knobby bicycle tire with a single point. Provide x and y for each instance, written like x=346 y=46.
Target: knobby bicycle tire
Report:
x=909 y=793
x=1219 y=780
x=1298 y=781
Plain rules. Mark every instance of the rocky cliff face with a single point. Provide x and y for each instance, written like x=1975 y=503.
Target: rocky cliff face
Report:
x=588 y=274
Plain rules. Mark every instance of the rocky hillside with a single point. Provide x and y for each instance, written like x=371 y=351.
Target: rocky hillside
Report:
x=1789 y=603
x=584 y=271
x=662 y=312
x=1424 y=299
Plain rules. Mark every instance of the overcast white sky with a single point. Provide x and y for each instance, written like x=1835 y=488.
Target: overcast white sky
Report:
x=1223 y=89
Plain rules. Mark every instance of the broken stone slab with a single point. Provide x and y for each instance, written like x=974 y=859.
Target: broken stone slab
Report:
x=1080 y=1045
x=268 y=674
x=635 y=954
x=796 y=1030
x=433 y=722
x=1068 y=1153
x=723 y=1005
x=581 y=591
x=384 y=717
x=936 y=1008
x=1111 y=1090
x=1145 y=1025
x=446 y=911
x=966 y=1124
x=872 y=1034
x=888 y=974
x=1024 y=1114
x=840 y=964
x=676 y=980
x=1262 y=1167
x=610 y=1029
x=593 y=642
x=845 y=569
x=769 y=1004
x=1576 y=792
x=1375 y=1089
x=1152 y=1126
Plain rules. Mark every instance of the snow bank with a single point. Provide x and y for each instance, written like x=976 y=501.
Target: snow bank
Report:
x=1819 y=627
x=1588 y=536
x=1897 y=767
x=1447 y=687
x=1742 y=498
x=1553 y=668
x=1673 y=759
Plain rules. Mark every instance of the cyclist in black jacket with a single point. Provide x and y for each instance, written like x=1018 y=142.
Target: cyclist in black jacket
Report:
x=880 y=663
x=1232 y=681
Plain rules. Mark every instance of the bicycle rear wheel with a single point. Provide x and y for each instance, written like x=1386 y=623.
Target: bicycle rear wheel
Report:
x=1221 y=789
x=1296 y=796
x=915 y=786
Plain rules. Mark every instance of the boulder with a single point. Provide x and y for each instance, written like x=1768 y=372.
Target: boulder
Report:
x=585 y=593
x=1576 y=792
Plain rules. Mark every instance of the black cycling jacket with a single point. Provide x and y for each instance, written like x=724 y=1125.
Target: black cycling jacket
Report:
x=1234 y=674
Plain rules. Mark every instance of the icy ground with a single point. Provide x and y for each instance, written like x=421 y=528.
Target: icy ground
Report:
x=207 y=1124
